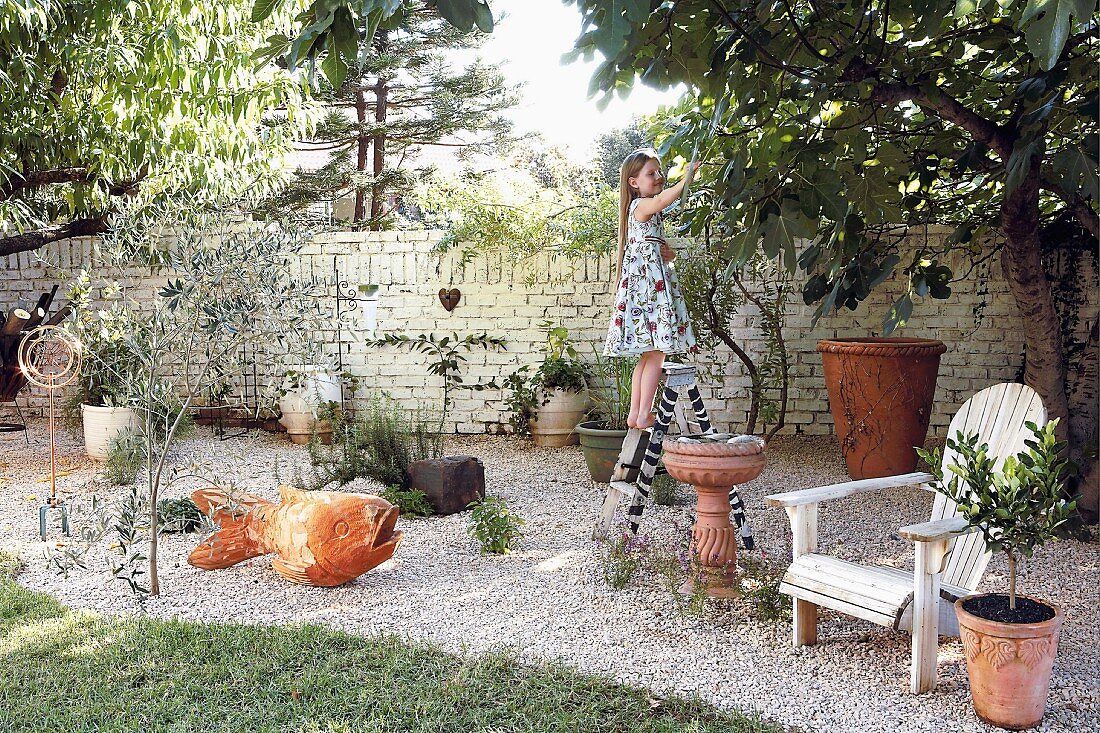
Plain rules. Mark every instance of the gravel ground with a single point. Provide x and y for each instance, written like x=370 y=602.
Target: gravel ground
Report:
x=547 y=600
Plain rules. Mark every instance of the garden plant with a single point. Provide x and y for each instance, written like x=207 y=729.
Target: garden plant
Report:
x=495 y=526
x=217 y=300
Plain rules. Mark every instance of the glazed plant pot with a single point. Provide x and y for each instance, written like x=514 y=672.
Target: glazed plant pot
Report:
x=559 y=412
x=880 y=395
x=713 y=469
x=601 y=448
x=103 y=424
x=1009 y=665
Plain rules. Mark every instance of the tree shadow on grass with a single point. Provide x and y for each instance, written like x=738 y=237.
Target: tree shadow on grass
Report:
x=77 y=671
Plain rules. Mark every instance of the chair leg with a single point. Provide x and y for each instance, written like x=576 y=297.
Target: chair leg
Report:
x=804 y=626
x=926 y=614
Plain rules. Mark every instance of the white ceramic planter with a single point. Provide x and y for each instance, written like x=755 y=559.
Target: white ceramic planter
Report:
x=556 y=422
x=299 y=406
x=104 y=424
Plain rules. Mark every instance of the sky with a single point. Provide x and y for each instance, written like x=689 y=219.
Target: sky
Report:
x=528 y=42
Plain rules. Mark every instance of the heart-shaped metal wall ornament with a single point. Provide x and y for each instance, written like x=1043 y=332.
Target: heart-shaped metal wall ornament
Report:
x=449 y=298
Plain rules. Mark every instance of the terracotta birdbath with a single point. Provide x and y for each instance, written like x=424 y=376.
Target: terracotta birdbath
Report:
x=713 y=468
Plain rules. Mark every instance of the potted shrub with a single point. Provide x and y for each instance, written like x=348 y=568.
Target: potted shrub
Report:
x=602 y=435
x=880 y=395
x=305 y=389
x=1010 y=639
x=551 y=402
x=108 y=372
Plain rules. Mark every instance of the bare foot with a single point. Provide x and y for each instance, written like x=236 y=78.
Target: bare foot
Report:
x=648 y=421
x=631 y=421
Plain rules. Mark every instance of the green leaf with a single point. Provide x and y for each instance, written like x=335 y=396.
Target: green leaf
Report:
x=465 y=14
x=1077 y=170
x=899 y=314
x=1047 y=28
x=780 y=231
x=262 y=10
x=1019 y=163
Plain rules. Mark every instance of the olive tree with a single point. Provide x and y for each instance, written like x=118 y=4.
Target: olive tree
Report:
x=229 y=292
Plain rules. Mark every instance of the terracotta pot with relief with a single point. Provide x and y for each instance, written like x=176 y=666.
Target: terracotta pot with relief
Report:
x=880 y=395
x=1009 y=664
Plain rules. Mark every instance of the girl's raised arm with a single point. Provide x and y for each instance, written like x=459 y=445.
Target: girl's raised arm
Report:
x=646 y=208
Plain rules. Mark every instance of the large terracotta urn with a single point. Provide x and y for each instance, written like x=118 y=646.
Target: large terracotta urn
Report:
x=713 y=468
x=880 y=395
x=1009 y=664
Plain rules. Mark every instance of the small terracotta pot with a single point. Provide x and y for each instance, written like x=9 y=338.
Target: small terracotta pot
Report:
x=713 y=469
x=1009 y=666
x=880 y=395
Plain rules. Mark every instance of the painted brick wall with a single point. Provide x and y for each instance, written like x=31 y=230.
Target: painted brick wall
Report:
x=508 y=299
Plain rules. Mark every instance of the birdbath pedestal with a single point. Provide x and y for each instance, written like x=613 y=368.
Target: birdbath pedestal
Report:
x=713 y=468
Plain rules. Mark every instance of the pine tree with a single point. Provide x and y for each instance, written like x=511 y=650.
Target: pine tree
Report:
x=407 y=96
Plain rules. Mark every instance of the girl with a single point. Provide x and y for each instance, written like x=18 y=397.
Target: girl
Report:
x=650 y=318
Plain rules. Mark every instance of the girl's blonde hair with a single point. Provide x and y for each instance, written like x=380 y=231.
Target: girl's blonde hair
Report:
x=631 y=167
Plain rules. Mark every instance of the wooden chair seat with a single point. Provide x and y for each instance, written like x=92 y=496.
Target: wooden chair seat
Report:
x=875 y=593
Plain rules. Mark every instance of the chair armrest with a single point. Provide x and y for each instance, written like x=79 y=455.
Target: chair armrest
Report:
x=848 y=488
x=937 y=529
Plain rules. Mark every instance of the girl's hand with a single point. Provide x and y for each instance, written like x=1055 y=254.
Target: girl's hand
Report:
x=667 y=254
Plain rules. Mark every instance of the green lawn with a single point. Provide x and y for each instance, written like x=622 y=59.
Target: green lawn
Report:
x=73 y=671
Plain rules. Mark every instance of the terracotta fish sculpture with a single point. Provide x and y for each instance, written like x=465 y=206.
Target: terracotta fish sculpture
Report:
x=323 y=538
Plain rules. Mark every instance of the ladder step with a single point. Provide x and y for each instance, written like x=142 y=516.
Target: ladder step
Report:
x=625 y=488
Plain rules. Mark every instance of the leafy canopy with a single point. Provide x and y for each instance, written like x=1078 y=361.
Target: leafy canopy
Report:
x=847 y=121
x=105 y=99
x=339 y=31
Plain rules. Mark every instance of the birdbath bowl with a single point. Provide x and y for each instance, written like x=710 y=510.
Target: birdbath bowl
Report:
x=713 y=468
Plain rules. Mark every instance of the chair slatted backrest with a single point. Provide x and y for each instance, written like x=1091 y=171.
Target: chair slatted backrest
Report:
x=997 y=414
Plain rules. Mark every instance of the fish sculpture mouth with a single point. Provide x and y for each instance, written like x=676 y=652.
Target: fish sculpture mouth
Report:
x=373 y=553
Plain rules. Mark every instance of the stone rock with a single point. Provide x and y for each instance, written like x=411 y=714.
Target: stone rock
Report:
x=449 y=483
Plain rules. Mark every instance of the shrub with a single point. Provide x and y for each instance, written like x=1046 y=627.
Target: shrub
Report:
x=759 y=585
x=180 y=515
x=663 y=490
x=494 y=525
x=125 y=458
x=621 y=558
x=411 y=502
x=379 y=444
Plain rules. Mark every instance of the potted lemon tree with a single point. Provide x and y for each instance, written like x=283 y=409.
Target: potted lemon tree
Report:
x=1010 y=639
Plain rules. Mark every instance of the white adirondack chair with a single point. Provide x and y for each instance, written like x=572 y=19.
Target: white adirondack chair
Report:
x=949 y=563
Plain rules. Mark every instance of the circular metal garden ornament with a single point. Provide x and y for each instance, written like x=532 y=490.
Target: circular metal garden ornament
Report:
x=49 y=357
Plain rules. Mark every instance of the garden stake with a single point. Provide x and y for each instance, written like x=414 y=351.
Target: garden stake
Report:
x=50 y=358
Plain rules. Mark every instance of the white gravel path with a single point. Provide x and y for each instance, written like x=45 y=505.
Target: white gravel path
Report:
x=547 y=599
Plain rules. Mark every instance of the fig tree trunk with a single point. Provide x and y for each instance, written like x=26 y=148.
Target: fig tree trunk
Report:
x=1044 y=361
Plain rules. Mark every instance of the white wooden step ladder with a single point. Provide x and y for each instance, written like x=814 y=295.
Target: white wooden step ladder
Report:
x=640 y=456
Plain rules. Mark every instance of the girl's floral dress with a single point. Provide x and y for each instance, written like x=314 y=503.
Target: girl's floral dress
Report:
x=650 y=313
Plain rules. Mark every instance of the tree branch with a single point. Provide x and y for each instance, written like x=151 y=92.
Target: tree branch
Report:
x=34 y=179
x=34 y=239
x=1077 y=204
x=936 y=101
